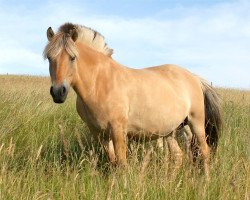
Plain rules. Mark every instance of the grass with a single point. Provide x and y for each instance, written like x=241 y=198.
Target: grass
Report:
x=46 y=152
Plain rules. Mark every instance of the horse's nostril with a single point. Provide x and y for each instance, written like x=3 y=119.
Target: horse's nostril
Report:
x=51 y=91
x=63 y=91
x=59 y=94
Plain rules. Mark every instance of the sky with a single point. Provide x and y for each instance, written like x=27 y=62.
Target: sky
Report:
x=210 y=38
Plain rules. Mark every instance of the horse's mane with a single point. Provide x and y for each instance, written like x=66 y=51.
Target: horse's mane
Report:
x=88 y=36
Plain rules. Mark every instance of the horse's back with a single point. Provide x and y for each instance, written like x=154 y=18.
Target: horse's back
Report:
x=180 y=79
x=174 y=74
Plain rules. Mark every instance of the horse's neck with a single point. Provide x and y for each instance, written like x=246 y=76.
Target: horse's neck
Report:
x=92 y=67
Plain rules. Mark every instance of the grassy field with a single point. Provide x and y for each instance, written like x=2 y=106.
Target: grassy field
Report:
x=46 y=153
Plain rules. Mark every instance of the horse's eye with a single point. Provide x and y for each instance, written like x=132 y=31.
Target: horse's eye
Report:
x=72 y=58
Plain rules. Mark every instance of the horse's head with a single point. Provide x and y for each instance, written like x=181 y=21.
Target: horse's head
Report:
x=62 y=55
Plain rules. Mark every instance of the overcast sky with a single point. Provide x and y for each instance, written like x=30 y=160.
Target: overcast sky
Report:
x=210 y=38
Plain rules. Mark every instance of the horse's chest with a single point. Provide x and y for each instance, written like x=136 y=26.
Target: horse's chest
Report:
x=92 y=116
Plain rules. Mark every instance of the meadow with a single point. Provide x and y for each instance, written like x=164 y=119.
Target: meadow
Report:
x=46 y=152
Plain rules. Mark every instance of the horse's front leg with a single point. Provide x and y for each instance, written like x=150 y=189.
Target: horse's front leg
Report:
x=109 y=148
x=103 y=138
x=119 y=140
x=99 y=137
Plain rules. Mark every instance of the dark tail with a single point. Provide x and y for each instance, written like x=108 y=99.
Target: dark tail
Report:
x=213 y=115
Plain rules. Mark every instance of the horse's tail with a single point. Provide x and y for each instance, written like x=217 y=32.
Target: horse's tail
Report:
x=213 y=115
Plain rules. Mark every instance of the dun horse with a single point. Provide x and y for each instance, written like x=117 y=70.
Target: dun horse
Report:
x=117 y=102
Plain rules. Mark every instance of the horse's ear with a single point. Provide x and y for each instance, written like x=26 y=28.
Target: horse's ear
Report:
x=50 y=33
x=110 y=52
x=74 y=34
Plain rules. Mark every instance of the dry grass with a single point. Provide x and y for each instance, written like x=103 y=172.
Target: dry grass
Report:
x=46 y=153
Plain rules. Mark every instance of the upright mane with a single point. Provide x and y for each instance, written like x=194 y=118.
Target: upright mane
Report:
x=61 y=40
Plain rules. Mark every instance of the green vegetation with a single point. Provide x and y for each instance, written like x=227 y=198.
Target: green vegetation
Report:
x=46 y=152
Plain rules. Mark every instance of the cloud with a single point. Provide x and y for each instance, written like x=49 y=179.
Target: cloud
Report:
x=212 y=41
x=21 y=61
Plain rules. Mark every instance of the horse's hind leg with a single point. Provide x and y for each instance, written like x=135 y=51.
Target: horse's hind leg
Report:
x=187 y=134
x=198 y=129
x=175 y=151
x=161 y=144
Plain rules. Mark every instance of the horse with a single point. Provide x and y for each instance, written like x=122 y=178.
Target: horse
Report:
x=119 y=103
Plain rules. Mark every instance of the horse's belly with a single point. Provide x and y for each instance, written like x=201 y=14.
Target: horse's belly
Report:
x=159 y=121
x=157 y=110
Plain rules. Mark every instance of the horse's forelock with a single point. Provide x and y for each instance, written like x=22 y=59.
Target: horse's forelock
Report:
x=67 y=28
x=59 y=42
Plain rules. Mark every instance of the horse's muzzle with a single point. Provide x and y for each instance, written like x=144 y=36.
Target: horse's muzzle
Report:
x=59 y=93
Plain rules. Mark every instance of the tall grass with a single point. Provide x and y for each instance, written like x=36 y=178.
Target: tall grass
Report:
x=46 y=152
